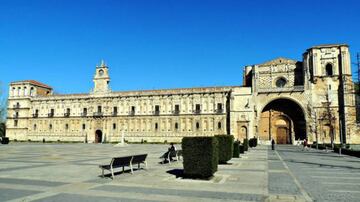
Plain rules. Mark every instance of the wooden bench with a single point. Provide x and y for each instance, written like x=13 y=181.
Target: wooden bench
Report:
x=118 y=162
x=138 y=159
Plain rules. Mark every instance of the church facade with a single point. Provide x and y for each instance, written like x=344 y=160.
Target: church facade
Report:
x=281 y=99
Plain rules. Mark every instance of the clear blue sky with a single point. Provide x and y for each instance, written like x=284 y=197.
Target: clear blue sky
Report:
x=154 y=44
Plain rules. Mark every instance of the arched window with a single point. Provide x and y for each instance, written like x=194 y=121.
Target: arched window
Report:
x=156 y=126
x=281 y=82
x=197 y=125
x=176 y=126
x=50 y=126
x=83 y=126
x=34 y=126
x=219 y=125
x=114 y=126
x=66 y=126
x=32 y=91
x=329 y=69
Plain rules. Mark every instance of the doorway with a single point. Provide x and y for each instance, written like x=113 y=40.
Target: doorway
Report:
x=98 y=136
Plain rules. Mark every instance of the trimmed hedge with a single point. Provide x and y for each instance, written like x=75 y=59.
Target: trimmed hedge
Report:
x=253 y=142
x=226 y=147
x=241 y=149
x=246 y=144
x=349 y=152
x=200 y=156
x=236 y=151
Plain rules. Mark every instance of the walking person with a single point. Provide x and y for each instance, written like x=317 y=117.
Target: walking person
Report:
x=272 y=144
x=305 y=144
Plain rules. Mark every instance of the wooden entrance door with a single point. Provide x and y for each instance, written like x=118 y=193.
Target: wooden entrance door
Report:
x=98 y=136
x=282 y=135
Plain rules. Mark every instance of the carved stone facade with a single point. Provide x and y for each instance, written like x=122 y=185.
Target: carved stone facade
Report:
x=282 y=99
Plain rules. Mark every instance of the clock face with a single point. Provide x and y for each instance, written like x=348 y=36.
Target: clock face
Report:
x=101 y=72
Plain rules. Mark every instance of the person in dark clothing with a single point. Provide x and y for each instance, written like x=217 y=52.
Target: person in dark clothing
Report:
x=273 y=144
x=172 y=150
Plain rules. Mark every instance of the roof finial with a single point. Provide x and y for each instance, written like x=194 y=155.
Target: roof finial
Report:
x=102 y=63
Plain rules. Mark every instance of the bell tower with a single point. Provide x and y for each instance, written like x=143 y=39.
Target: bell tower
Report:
x=101 y=79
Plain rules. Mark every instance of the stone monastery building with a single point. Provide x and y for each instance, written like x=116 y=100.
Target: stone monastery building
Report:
x=282 y=99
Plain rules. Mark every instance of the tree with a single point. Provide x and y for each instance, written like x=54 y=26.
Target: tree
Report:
x=2 y=113
x=328 y=117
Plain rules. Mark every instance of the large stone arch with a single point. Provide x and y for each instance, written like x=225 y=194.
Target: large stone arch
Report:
x=282 y=119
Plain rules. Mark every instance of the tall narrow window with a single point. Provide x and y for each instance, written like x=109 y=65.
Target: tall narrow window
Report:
x=83 y=126
x=177 y=109
x=197 y=108
x=114 y=126
x=67 y=113
x=219 y=108
x=99 y=109
x=115 y=111
x=66 y=126
x=50 y=127
x=84 y=112
x=197 y=125
x=132 y=111
x=15 y=123
x=176 y=126
x=329 y=69
x=157 y=109
x=219 y=125
x=156 y=126
x=34 y=126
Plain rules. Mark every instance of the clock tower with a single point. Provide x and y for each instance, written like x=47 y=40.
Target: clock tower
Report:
x=101 y=79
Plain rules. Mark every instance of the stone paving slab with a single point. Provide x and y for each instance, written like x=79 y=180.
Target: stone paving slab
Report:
x=69 y=172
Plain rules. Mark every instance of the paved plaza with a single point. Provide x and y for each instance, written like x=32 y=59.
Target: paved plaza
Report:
x=69 y=172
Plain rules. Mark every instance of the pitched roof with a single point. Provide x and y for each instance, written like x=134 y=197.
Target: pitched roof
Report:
x=277 y=61
x=36 y=83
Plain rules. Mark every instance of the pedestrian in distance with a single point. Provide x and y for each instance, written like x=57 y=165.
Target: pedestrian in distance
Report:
x=273 y=144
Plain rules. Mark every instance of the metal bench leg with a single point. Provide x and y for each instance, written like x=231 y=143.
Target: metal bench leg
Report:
x=145 y=165
x=112 y=173
x=123 y=169
x=103 y=173
x=131 y=168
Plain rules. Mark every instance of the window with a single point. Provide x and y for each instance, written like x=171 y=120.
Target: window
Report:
x=156 y=126
x=84 y=112
x=329 y=69
x=115 y=110
x=101 y=72
x=15 y=123
x=114 y=126
x=219 y=108
x=83 y=126
x=66 y=126
x=176 y=126
x=68 y=110
x=197 y=125
x=219 y=125
x=177 y=108
x=50 y=126
x=99 y=109
x=132 y=112
x=281 y=82
x=157 y=109
x=34 y=126
x=197 y=108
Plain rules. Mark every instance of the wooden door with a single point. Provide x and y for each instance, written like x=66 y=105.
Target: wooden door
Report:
x=281 y=135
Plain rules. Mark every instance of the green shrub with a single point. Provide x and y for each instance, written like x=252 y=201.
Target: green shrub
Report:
x=241 y=149
x=200 y=156
x=236 y=152
x=225 y=146
x=246 y=144
x=253 y=142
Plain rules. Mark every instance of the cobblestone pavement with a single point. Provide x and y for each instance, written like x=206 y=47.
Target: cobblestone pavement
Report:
x=69 y=172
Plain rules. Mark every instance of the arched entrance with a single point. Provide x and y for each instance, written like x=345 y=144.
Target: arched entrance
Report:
x=282 y=120
x=98 y=136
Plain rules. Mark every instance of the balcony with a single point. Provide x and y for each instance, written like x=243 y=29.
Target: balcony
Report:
x=156 y=113
x=50 y=115
x=67 y=114
x=17 y=106
x=197 y=111
x=15 y=116
x=219 y=111
x=132 y=113
x=176 y=112
x=283 y=89
x=98 y=114
x=84 y=114
x=35 y=115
